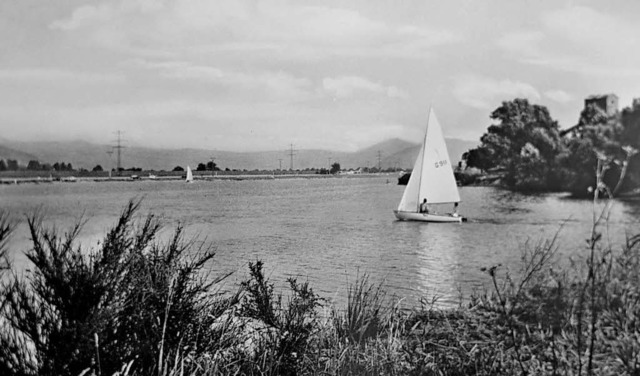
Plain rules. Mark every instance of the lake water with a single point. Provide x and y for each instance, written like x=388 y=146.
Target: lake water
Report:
x=328 y=231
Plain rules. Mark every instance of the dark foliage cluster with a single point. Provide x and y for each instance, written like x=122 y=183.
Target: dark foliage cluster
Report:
x=9 y=165
x=209 y=166
x=527 y=147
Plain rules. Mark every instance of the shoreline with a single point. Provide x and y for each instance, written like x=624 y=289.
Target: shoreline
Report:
x=208 y=178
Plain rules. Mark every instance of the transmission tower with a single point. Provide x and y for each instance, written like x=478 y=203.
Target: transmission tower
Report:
x=119 y=148
x=291 y=152
x=379 y=161
x=280 y=160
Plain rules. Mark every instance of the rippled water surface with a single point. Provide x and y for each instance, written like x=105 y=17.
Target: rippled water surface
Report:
x=328 y=231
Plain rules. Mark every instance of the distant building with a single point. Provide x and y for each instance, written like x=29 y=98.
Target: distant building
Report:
x=607 y=103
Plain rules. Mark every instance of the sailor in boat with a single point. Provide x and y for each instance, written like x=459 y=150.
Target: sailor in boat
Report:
x=455 y=209
x=423 y=207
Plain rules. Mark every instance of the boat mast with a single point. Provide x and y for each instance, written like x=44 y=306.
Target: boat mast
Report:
x=424 y=147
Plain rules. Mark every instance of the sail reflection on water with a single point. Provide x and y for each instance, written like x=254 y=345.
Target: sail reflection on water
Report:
x=438 y=263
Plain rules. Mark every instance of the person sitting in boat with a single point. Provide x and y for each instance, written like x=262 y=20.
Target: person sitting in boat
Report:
x=455 y=209
x=423 y=207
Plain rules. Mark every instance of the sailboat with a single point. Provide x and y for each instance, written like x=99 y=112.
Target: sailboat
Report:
x=189 y=178
x=432 y=179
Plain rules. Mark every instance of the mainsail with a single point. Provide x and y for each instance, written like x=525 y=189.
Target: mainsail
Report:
x=432 y=176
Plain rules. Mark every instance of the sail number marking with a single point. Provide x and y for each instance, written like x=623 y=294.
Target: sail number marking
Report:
x=441 y=163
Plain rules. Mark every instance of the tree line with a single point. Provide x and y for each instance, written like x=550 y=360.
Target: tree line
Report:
x=34 y=165
x=526 y=147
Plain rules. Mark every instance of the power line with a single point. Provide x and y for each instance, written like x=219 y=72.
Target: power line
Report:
x=291 y=152
x=119 y=148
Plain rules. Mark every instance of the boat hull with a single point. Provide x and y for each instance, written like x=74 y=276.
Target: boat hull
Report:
x=426 y=217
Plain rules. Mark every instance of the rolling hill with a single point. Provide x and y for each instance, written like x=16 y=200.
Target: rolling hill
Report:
x=82 y=154
x=10 y=153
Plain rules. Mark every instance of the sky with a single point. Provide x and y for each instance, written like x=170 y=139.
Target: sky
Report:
x=249 y=75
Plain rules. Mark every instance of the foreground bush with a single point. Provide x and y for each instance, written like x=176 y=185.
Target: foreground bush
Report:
x=137 y=306
x=133 y=300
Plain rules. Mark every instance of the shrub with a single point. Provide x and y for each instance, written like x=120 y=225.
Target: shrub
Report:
x=135 y=299
x=283 y=330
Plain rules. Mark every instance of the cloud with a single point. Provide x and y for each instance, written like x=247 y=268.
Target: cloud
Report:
x=87 y=16
x=522 y=43
x=271 y=84
x=348 y=86
x=84 y=16
x=559 y=96
x=581 y=40
x=588 y=27
x=58 y=76
x=484 y=92
x=285 y=29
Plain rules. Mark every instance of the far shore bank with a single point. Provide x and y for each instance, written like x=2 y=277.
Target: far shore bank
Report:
x=172 y=176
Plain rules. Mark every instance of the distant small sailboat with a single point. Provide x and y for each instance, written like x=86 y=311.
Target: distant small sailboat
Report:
x=189 y=178
x=432 y=178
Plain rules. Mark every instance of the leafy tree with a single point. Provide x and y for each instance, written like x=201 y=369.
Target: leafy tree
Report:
x=178 y=168
x=480 y=158
x=3 y=165
x=335 y=168
x=212 y=166
x=98 y=168
x=201 y=167
x=596 y=133
x=33 y=165
x=12 y=165
x=524 y=142
x=61 y=166
x=630 y=136
x=630 y=122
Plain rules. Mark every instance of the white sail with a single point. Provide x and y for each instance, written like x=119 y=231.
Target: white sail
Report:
x=432 y=176
x=189 y=175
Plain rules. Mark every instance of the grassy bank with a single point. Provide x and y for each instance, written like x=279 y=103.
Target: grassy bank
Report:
x=139 y=306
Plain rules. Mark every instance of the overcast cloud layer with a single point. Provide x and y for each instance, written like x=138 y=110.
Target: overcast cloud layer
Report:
x=259 y=75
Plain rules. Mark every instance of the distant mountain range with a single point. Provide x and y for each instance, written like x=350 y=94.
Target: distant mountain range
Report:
x=20 y=156
x=393 y=153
